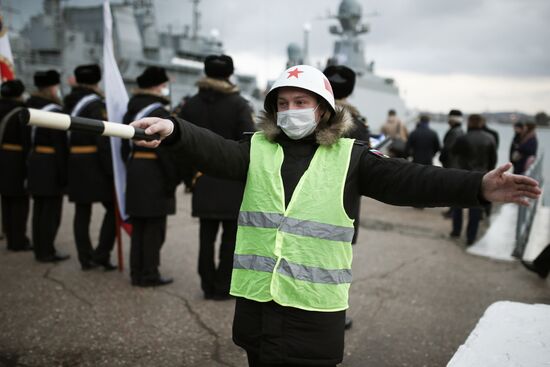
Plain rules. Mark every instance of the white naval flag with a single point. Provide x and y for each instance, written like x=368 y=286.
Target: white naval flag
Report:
x=116 y=99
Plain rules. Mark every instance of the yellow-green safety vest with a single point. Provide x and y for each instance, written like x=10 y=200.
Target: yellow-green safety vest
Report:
x=299 y=256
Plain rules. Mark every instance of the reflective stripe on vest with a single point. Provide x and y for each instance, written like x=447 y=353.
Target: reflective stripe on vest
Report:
x=299 y=255
x=297 y=271
x=306 y=228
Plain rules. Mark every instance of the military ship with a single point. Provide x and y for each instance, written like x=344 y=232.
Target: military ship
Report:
x=63 y=37
x=373 y=95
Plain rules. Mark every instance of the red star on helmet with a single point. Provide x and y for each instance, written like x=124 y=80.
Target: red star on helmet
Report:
x=295 y=73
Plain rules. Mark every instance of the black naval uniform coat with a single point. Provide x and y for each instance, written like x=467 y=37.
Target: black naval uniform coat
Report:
x=277 y=334
x=47 y=179
x=90 y=179
x=90 y=174
x=218 y=107
x=151 y=181
x=14 y=147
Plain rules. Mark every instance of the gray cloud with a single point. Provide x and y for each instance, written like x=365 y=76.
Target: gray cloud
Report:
x=479 y=37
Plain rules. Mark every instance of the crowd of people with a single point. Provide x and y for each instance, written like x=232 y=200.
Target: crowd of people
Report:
x=473 y=149
x=286 y=196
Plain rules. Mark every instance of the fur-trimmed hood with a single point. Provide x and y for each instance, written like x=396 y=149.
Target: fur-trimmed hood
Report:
x=149 y=92
x=351 y=108
x=218 y=85
x=326 y=133
x=47 y=96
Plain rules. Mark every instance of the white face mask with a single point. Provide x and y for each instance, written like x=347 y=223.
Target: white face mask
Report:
x=297 y=123
x=165 y=91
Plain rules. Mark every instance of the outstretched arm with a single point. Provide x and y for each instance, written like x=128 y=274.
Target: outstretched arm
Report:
x=208 y=152
x=499 y=186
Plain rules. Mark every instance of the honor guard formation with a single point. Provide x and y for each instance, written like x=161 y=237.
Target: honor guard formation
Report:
x=280 y=190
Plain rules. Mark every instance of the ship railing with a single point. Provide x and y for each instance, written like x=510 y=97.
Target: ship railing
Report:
x=526 y=214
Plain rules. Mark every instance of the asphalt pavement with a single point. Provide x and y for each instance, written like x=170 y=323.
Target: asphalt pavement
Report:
x=415 y=298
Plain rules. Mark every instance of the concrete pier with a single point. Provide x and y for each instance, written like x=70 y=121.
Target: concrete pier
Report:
x=415 y=298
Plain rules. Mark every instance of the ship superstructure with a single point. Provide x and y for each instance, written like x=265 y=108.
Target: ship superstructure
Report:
x=63 y=37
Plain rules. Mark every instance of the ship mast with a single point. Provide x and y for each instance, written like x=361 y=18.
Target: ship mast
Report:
x=196 y=19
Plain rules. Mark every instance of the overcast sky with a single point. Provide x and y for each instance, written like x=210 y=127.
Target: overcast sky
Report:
x=477 y=55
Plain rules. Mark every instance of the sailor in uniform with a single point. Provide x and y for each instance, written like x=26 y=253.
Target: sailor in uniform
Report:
x=13 y=150
x=47 y=169
x=90 y=177
x=151 y=182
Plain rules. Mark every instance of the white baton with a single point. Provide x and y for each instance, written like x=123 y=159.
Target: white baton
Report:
x=62 y=121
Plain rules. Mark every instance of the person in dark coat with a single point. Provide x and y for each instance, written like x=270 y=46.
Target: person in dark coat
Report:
x=519 y=130
x=219 y=107
x=447 y=159
x=423 y=142
x=13 y=173
x=47 y=167
x=271 y=332
x=475 y=151
x=150 y=197
x=90 y=177
x=491 y=132
x=526 y=150
x=342 y=80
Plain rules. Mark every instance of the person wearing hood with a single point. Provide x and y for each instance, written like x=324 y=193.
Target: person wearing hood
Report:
x=47 y=166
x=150 y=198
x=218 y=107
x=14 y=148
x=292 y=263
x=90 y=177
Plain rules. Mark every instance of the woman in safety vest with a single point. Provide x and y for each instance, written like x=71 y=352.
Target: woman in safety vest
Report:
x=292 y=263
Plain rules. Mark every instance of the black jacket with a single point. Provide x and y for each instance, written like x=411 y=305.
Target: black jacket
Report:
x=476 y=151
x=13 y=172
x=393 y=181
x=90 y=177
x=150 y=183
x=47 y=171
x=447 y=159
x=423 y=144
x=218 y=107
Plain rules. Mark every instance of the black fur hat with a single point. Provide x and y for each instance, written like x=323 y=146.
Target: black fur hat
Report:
x=218 y=66
x=12 y=88
x=342 y=80
x=46 y=78
x=455 y=113
x=151 y=77
x=87 y=74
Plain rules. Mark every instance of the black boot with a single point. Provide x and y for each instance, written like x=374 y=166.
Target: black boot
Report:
x=541 y=265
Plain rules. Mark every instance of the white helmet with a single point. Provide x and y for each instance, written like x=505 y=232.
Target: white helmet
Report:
x=305 y=77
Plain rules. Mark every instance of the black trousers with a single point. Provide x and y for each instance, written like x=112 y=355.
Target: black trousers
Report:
x=148 y=235
x=46 y=218
x=15 y=212
x=107 y=234
x=474 y=216
x=216 y=280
